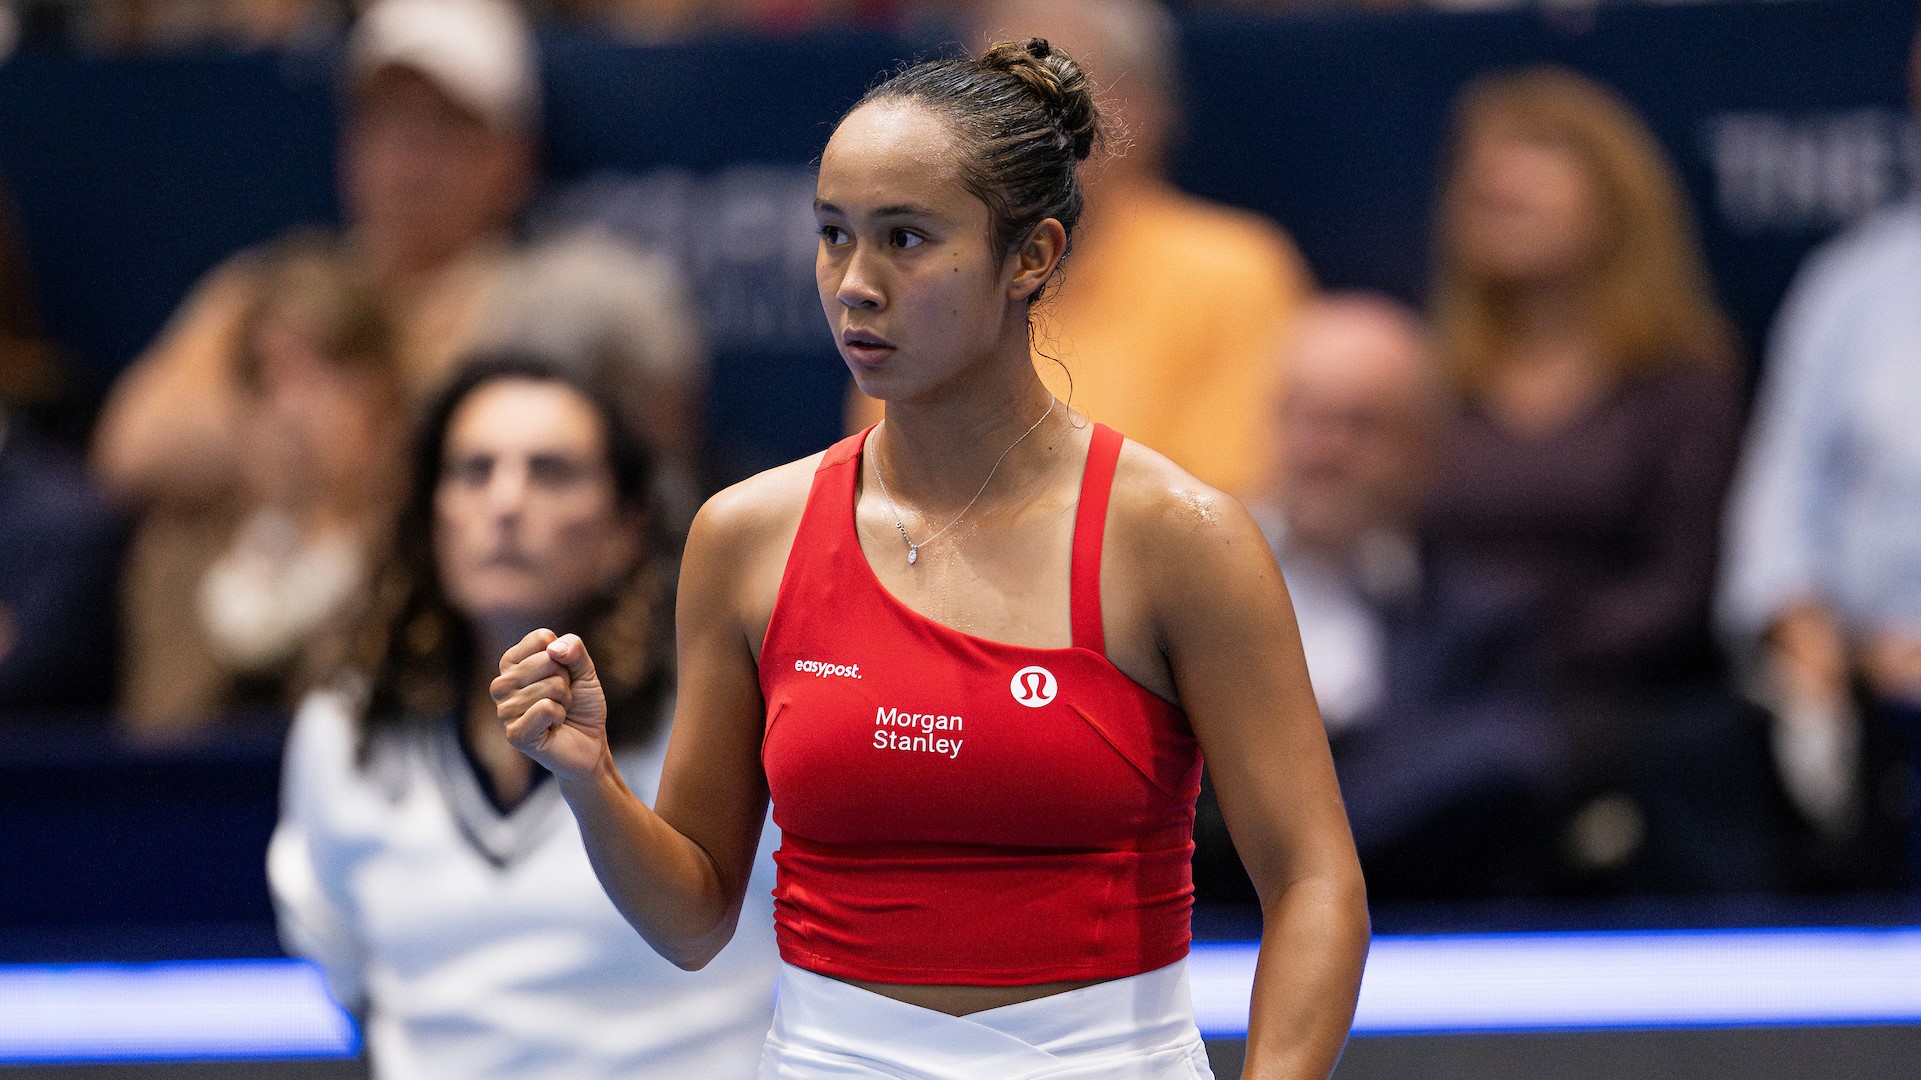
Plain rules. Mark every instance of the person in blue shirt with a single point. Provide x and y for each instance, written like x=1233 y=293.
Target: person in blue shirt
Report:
x=1822 y=585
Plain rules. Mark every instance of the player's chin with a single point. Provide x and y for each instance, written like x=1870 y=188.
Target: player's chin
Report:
x=881 y=383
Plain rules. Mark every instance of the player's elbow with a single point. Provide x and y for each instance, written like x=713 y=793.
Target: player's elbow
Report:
x=693 y=961
x=697 y=954
x=692 y=950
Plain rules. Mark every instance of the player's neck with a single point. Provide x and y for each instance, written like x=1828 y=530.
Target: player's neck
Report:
x=937 y=451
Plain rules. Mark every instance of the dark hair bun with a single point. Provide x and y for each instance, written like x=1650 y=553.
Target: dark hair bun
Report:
x=1023 y=118
x=1058 y=82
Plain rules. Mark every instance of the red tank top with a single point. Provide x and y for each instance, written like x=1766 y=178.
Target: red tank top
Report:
x=957 y=810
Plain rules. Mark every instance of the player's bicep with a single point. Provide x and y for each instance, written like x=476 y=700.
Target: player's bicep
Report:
x=712 y=788
x=1228 y=627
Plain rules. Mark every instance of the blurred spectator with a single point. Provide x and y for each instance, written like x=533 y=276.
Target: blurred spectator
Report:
x=1124 y=340
x=670 y=20
x=1448 y=764
x=623 y=318
x=322 y=430
x=1823 y=584
x=437 y=158
x=59 y=542
x=1586 y=471
x=434 y=872
x=1344 y=5
x=246 y=602
x=130 y=26
x=651 y=21
x=1360 y=410
x=264 y=24
x=437 y=161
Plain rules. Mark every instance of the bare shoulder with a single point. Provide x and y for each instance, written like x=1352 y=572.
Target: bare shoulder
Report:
x=760 y=513
x=1191 y=565
x=1162 y=516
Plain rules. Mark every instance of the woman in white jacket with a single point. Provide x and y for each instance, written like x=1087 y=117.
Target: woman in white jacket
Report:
x=434 y=873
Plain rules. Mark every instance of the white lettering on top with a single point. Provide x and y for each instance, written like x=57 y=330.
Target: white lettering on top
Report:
x=927 y=742
x=822 y=669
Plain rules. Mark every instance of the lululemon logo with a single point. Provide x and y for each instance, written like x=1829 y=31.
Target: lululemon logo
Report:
x=1034 y=686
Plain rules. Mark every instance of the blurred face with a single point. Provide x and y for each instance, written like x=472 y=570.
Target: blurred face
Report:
x=913 y=290
x=1357 y=422
x=1525 y=210
x=325 y=427
x=422 y=177
x=528 y=526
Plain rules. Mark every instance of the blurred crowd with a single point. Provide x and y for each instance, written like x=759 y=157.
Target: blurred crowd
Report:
x=1580 y=618
x=133 y=26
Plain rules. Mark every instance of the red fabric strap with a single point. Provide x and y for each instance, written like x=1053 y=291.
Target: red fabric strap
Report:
x=1090 y=522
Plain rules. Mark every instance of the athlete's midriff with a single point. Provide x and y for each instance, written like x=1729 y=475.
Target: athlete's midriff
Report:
x=959 y=1000
x=957 y=812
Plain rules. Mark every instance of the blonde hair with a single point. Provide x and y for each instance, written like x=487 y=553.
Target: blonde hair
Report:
x=305 y=274
x=1649 y=294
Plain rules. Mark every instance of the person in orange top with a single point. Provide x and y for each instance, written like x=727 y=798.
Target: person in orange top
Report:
x=1123 y=340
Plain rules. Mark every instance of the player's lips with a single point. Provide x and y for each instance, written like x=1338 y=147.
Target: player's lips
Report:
x=864 y=347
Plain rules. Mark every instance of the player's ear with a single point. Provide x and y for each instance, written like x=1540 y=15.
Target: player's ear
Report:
x=1036 y=259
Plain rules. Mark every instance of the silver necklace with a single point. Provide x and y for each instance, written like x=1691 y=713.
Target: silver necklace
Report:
x=913 y=549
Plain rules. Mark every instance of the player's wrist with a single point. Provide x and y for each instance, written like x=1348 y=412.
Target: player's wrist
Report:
x=602 y=782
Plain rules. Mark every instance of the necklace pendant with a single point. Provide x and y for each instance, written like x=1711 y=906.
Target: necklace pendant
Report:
x=913 y=554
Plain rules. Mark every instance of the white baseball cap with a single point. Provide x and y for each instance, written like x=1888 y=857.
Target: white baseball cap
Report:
x=479 y=52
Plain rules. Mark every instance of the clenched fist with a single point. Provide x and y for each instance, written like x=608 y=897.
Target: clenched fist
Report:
x=552 y=705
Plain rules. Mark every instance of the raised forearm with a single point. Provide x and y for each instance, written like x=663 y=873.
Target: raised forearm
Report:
x=1313 y=946
x=664 y=883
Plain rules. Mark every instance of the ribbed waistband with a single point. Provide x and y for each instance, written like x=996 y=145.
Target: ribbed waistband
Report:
x=1137 y=1028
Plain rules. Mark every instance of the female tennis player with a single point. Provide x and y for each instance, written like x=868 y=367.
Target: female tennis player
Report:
x=974 y=654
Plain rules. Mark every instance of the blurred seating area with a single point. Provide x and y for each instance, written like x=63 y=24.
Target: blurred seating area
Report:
x=1568 y=355
x=126 y=27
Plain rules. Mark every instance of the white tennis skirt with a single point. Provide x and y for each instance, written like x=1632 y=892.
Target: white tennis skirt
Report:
x=1137 y=1028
